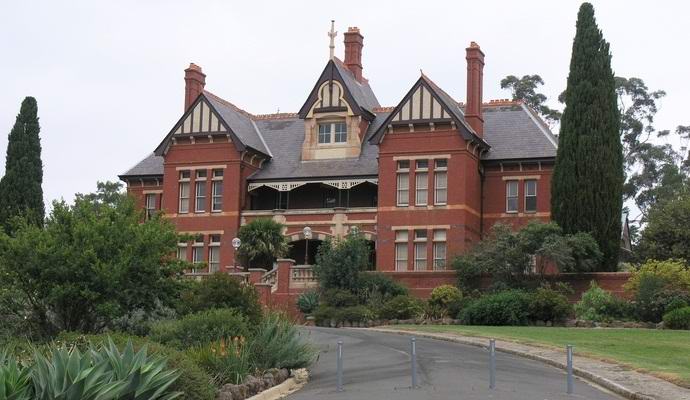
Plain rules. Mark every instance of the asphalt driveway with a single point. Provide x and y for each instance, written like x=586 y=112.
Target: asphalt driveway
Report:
x=377 y=366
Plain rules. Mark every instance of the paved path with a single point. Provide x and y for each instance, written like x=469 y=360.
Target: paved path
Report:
x=377 y=366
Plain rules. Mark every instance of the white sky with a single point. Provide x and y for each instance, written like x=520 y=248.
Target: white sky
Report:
x=108 y=75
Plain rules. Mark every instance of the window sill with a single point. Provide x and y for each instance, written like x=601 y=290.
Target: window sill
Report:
x=512 y=212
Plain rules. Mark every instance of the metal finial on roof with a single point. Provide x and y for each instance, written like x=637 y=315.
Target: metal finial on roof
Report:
x=332 y=34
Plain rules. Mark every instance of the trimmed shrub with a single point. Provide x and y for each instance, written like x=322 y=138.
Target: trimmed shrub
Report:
x=674 y=273
x=307 y=302
x=596 y=304
x=445 y=295
x=678 y=319
x=221 y=291
x=401 y=307
x=547 y=304
x=339 y=298
x=510 y=307
x=194 y=382
x=200 y=328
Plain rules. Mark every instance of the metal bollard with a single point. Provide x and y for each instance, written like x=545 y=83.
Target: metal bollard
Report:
x=569 y=360
x=413 y=359
x=340 y=366
x=492 y=364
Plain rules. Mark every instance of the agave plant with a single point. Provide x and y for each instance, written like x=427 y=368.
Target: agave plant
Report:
x=146 y=377
x=15 y=379
x=101 y=374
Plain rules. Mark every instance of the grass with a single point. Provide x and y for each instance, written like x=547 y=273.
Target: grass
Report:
x=664 y=353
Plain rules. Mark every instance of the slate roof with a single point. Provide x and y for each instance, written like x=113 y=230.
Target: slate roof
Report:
x=240 y=122
x=514 y=132
x=361 y=92
x=152 y=165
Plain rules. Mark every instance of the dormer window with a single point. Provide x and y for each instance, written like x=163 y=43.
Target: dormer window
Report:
x=332 y=132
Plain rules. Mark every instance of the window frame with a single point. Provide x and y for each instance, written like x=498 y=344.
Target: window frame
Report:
x=182 y=248
x=420 y=256
x=402 y=194
x=197 y=251
x=183 y=200
x=527 y=195
x=216 y=198
x=150 y=210
x=438 y=189
x=510 y=197
x=214 y=253
x=400 y=249
x=440 y=241
x=200 y=197
x=421 y=188
x=333 y=135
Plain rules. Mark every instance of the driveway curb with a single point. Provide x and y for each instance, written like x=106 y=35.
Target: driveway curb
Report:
x=296 y=382
x=588 y=375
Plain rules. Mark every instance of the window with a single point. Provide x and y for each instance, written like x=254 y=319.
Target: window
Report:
x=214 y=253
x=404 y=165
x=324 y=133
x=201 y=174
x=217 y=174
x=439 y=249
x=441 y=182
x=422 y=164
x=217 y=196
x=183 y=206
x=340 y=132
x=421 y=188
x=150 y=205
x=403 y=189
x=531 y=196
x=337 y=131
x=197 y=253
x=401 y=250
x=184 y=198
x=182 y=251
x=512 y=196
x=420 y=250
x=200 y=202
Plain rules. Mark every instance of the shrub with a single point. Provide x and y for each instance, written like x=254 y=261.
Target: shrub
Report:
x=655 y=285
x=200 y=328
x=597 y=304
x=678 y=318
x=277 y=344
x=401 y=307
x=674 y=274
x=227 y=361
x=338 y=263
x=547 y=304
x=307 y=302
x=221 y=291
x=339 y=298
x=383 y=285
x=445 y=295
x=324 y=314
x=194 y=382
x=510 y=307
x=138 y=322
x=262 y=242
x=353 y=314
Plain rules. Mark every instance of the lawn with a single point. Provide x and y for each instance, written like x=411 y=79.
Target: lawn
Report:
x=664 y=353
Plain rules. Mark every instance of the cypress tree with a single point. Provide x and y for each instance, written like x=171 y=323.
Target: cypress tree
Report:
x=587 y=188
x=20 y=189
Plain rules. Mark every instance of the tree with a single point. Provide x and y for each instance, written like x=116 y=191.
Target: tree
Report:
x=667 y=233
x=587 y=184
x=90 y=264
x=514 y=258
x=20 y=189
x=262 y=242
x=338 y=263
x=525 y=89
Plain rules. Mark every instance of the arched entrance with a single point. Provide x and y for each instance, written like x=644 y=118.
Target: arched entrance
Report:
x=299 y=249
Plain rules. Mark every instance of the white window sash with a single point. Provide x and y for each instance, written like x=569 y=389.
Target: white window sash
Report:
x=422 y=189
x=441 y=187
x=184 y=198
x=200 y=200
x=403 y=189
x=217 y=202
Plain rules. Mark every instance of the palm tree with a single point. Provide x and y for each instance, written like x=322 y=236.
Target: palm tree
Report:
x=262 y=242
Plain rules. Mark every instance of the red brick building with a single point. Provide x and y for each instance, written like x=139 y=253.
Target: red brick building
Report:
x=423 y=180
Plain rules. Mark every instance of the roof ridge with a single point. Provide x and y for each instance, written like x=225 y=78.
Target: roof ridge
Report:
x=229 y=104
x=540 y=124
x=383 y=109
x=503 y=102
x=279 y=115
x=437 y=87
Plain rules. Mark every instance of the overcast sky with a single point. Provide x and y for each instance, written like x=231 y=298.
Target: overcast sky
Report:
x=108 y=75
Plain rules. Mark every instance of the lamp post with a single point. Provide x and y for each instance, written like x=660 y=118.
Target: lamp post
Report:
x=307 y=236
x=236 y=243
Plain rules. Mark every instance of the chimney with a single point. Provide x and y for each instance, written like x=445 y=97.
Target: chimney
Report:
x=475 y=79
x=194 y=81
x=354 y=42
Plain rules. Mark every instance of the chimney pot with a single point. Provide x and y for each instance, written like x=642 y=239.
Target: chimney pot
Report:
x=475 y=78
x=354 y=42
x=194 y=82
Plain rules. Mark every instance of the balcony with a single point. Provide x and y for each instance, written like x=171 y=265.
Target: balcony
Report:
x=313 y=195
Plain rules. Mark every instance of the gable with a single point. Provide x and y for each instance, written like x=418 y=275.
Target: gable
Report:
x=332 y=91
x=200 y=119
x=421 y=105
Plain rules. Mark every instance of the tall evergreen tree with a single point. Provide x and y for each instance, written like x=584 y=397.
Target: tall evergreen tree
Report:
x=20 y=189
x=588 y=176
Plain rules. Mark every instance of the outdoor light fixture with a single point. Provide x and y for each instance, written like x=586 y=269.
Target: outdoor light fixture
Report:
x=236 y=243
x=307 y=236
